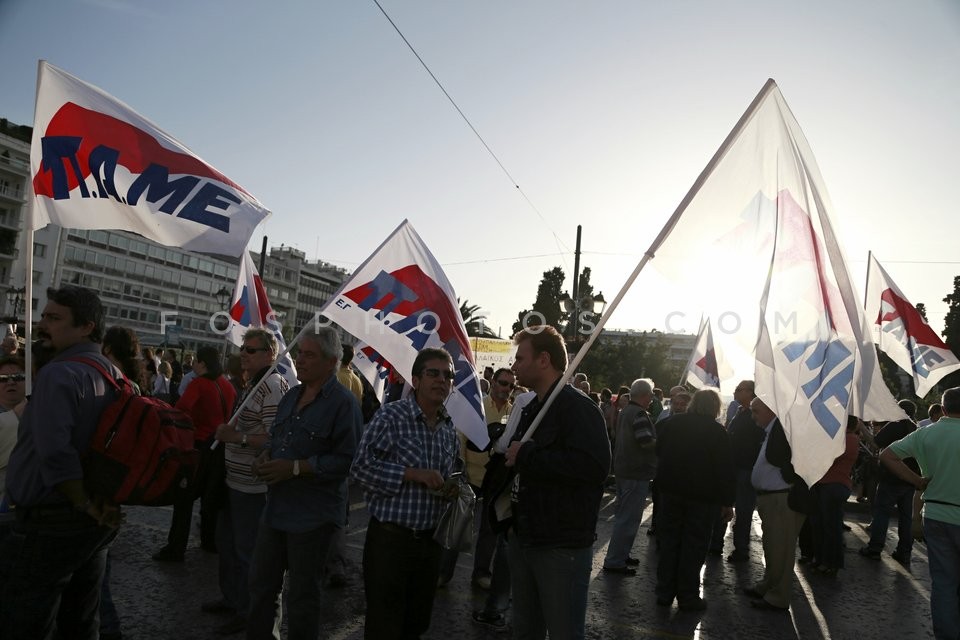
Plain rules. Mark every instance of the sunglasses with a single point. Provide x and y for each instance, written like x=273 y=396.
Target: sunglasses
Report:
x=504 y=383
x=436 y=373
x=13 y=377
x=253 y=350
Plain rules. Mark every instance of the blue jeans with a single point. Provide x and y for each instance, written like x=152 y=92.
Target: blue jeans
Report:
x=302 y=556
x=631 y=499
x=943 y=551
x=683 y=532
x=549 y=591
x=51 y=569
x=891 y=494
x=746 y=503
x=237 y=526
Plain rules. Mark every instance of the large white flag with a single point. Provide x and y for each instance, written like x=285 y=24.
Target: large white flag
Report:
x=706 y=367
x=251 y=310
x=399 y=302
x=98 y=164
x=903 y=334
x=758 y=219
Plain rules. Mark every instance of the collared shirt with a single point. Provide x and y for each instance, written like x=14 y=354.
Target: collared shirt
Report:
x=351 y=381
x=324 y=433
x=765 y=476
x=398 y=437
x=58 y=425
x=937 y=449
x=255 y=420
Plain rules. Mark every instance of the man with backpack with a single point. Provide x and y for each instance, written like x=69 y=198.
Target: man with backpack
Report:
x=52 y=563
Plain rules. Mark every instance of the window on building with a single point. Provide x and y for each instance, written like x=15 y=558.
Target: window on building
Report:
x=119 y=242
x=99 y=237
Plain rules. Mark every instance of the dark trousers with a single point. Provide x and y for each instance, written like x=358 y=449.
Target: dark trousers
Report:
x=211 y=491
x=302 y=556
x=400 y=570
x=890 y=494
x=683 y=534
x=51 y=568
x=745 y=505
x=827 y=521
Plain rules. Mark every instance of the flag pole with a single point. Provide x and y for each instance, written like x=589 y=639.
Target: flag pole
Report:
x=667 y=229
x=866 y=284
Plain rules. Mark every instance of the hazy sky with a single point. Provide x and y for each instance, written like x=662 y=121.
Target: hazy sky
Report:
x=604 y=113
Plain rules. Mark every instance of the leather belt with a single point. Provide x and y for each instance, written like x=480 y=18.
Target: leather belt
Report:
x=416 y=534
x=762 y=492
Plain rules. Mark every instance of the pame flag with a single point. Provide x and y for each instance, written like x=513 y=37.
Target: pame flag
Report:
x=98 y=164
x=251 y=310
x=399 y=302
x=373 y=367
x=760 y=216
x=704 y=366
x=903 y=334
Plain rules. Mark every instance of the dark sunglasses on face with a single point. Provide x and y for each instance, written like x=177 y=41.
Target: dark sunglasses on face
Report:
x=436 y=373
x=253 y=350
x=505 y=383
x=13 y=377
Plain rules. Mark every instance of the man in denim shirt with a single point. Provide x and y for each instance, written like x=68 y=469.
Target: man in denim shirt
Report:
x=53 y=562
x=305 y=465
x=407 y=453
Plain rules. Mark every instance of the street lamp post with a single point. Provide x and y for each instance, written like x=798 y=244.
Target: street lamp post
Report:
x=15 y=299
x=577 y=304
x=224 y=296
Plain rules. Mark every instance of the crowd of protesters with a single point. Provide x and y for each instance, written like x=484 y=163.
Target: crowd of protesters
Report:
x=272 y=484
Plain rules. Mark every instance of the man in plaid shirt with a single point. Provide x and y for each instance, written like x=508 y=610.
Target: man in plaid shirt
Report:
x=408 y=452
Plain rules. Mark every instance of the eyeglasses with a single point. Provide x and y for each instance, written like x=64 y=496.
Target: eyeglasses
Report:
x=253 y=350
x=504 y=383
x=436 y=373
x=13 y=377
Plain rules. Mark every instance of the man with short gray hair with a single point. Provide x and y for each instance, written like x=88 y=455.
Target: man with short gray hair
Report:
x=305 y=464
x=634 y=465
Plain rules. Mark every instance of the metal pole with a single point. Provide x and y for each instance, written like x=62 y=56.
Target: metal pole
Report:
x=263 y=254
x=576 y=288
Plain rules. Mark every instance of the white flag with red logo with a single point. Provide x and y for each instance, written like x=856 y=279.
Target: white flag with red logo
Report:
x=98 y=164
x=903 y=334
x=705 y=365
x=399 y=302
x=373 y=367
x=759 y=215
x=251 y=310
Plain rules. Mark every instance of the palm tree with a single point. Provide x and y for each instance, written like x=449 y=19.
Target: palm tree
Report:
x=473 y=320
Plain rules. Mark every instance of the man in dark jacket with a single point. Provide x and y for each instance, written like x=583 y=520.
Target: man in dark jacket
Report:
x=560 y=474
x=746 y=438
x=893 y=492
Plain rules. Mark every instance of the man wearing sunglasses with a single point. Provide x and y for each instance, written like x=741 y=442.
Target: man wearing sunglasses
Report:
x=246 y=493
x=408 y=452
x=11 y=406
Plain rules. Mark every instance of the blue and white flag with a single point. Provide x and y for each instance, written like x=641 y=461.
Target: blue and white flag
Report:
x=251 y=310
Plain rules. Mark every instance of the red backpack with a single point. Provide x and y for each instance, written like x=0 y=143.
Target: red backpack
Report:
x=142 y=451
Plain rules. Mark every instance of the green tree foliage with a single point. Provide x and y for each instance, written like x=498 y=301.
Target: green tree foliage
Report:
x=547 y=304
x=612 y=363
x=473 y=320
x=951 y=332
x=922 y=310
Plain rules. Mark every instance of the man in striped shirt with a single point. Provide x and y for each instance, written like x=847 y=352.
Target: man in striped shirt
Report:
x=408 y=452
x=239 y=519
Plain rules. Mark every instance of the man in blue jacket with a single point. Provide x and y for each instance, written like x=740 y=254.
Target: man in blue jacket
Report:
x=556 y=494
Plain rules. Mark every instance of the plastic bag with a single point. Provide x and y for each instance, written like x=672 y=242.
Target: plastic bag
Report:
x=455 y=528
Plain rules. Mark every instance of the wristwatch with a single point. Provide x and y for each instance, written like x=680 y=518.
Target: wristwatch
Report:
x=296 y=468
x=243 y=441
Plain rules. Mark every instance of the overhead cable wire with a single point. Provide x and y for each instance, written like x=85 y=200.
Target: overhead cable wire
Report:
x=560 y=243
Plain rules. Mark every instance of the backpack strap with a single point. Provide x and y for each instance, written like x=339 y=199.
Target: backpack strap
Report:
x=99 y=367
